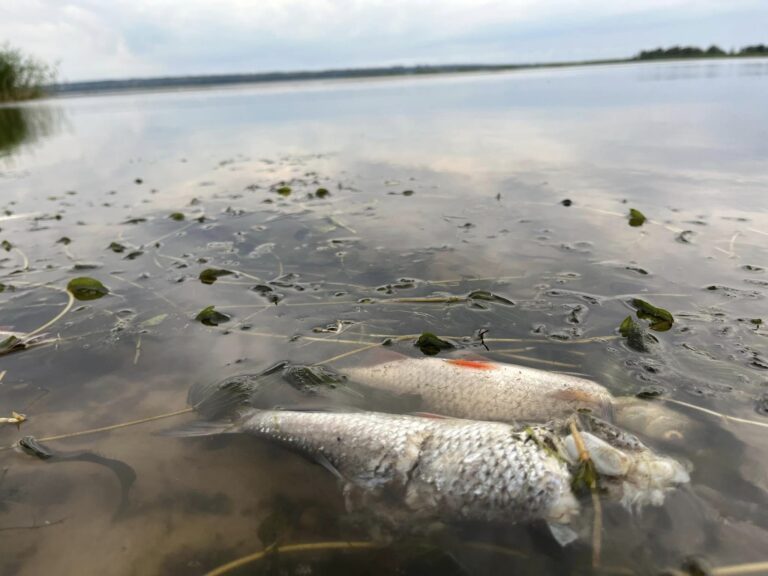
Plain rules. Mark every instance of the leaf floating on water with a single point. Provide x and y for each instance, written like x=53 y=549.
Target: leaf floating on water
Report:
x=210 y=275
x=660 y=319
x=10 y=344
x=64 y=240
x=489 y=297
x=211 y=317
x=85 y=288
x=636 y=218
x=626 y=326
x=154 y=321
x=34 y=448
x=650 y=392
x=566 y=202
x=284 y=191
x=407 y=192
x=637 y=337
x=86 y=266
x=116 y=247
x=431 y=345
x=178 y=216
x=135 y=220
x=322 y=192
x=133 y=255
x=7 y=246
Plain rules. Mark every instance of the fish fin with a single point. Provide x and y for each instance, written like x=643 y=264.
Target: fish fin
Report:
x=322 y=459
x=201 y=428
x=562 y=533
x=226 y=397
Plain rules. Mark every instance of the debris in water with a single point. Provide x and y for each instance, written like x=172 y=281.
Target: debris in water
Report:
x=660 y=319
x=34 y=448
x=637 y=337
x=15 y=418
x=211 y=317
x=85 y=288
x=431 y=345
x=210 y=275
x=636 y=218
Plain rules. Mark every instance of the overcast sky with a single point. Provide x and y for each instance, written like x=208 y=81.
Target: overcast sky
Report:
x=94 y=39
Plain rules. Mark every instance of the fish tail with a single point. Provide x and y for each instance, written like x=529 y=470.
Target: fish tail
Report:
x=284 y=384
x=226 y=398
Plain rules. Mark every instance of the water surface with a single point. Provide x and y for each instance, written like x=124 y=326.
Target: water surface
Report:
x=436 y=187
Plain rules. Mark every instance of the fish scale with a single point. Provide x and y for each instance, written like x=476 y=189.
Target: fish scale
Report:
x=437 y=468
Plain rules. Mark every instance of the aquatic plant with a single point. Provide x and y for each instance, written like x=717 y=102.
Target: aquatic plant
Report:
x=22 y=76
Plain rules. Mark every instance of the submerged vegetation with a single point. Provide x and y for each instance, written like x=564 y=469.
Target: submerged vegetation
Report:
x=22 y=76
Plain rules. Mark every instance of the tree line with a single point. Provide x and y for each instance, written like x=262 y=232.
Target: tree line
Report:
x=696 y=52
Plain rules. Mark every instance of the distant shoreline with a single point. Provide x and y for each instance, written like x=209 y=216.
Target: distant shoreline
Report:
x=203 y=81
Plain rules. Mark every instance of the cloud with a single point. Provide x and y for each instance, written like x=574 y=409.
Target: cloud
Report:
x=121 y=38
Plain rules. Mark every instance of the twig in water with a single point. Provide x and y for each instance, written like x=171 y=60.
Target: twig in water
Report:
x=24 y=260
x=33 y=526
x=713 y=413
x=67 y=307
x=738 y=569
x=350 y=545
x=109 y=428
x=481 y=335
x=138 y=351
x=597 y=526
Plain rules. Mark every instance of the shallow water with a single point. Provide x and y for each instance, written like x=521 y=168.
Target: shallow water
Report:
x=453 y=183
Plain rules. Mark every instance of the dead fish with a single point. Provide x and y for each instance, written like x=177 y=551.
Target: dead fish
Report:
x=480 y=389
x=405 y=468
x=484 y=390
x=436 y=469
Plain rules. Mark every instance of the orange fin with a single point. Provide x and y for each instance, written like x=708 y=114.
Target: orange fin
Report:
x=472 y=364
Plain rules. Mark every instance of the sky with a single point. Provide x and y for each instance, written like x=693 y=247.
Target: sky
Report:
x=101 y=39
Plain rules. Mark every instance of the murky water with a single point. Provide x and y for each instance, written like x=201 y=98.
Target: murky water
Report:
x=436 y=187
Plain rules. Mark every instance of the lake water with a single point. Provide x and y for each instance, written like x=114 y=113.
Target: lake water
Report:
x=436 y=187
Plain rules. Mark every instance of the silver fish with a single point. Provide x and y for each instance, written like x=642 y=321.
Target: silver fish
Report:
x=433 y=469
x=476 y=388
x=485 y=390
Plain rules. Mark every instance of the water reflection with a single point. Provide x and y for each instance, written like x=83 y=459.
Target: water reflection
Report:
x=26 y=125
